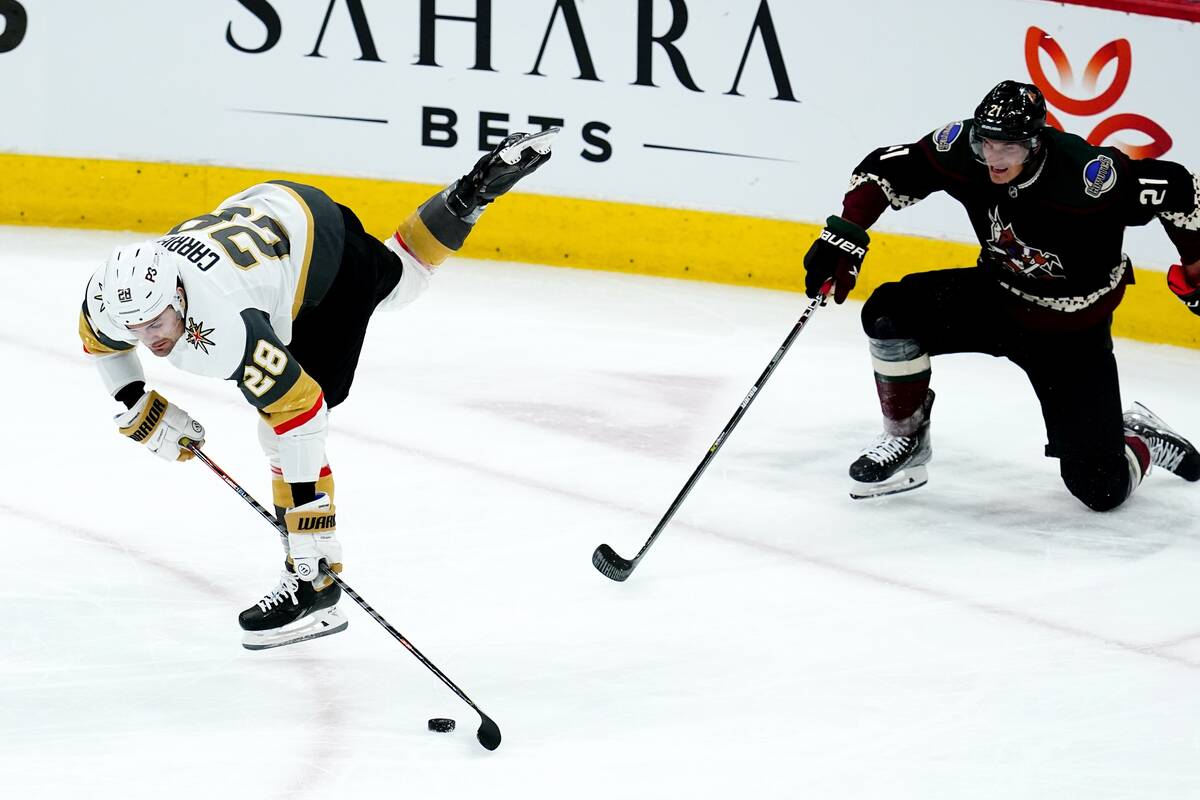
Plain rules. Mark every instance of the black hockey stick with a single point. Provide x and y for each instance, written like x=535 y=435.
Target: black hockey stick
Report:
x=618 y=568
x=488 y=733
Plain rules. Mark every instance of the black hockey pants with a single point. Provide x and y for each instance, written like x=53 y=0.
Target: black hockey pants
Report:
x=328 y=338
x=1073 y=372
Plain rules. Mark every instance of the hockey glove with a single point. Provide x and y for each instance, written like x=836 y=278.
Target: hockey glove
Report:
x=837 y=254
x=1190 y=295
x=165 y=429
x=312 y=537
x=498 y=171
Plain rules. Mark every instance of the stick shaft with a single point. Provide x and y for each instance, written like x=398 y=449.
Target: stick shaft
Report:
x=813 y=305
x=375 y=615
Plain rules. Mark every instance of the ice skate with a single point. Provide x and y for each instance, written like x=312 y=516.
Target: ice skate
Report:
x=292 y=612
x=1168 y=449
x=497 y=172
x=894 y=464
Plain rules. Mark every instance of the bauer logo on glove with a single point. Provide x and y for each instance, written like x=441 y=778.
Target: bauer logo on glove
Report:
x=835 y=255
x=843 y=244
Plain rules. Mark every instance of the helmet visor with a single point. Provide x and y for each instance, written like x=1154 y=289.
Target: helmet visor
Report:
x=1002 y=154
x=163 y=325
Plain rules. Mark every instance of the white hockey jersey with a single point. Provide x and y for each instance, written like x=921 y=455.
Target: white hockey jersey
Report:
x=248 y=269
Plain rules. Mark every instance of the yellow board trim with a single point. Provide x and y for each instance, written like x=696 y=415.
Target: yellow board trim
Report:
x=621 y=237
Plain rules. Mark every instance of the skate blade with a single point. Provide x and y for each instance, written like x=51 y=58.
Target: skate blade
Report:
x=903 y=481
x=538 y=142
x=311 y=627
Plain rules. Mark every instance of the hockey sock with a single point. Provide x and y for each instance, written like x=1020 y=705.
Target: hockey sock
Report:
x=432 y=232
x=1137 y=453
x=902 y=373
x=284 y=497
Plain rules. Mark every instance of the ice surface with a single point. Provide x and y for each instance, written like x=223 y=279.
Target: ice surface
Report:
x=983 y=637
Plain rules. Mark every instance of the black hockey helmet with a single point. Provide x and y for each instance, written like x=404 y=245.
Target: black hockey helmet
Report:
x=1011 y=112
x=1011 y=117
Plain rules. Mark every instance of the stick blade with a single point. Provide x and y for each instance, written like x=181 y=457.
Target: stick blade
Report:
x=611 y=565
x=488 y=733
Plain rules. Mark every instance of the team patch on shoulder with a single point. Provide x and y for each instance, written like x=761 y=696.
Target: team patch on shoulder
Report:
x=197 y=335
x=945 y=137
x=1099 y=176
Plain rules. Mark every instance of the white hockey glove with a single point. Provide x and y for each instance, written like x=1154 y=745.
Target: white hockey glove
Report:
x=312 y=537
x=165 y=429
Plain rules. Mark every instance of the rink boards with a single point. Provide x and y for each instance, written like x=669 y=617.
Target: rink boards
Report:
x=541 y=229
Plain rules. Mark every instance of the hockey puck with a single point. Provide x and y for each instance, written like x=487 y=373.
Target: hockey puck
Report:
x=441 y=724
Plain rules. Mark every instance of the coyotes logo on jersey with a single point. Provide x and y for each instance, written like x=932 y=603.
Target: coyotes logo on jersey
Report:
x=1019 y=257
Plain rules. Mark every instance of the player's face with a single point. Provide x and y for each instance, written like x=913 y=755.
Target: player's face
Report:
x=161 y=333
x=1004 y=160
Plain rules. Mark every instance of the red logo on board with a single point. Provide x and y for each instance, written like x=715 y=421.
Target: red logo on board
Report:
x=1037 y=41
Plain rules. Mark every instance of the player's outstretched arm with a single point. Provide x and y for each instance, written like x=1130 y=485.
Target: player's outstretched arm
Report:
x=893 y=177
x=165 y=429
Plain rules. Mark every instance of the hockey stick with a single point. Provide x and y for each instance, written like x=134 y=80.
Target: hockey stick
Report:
x=614 y=566
x=488 y=733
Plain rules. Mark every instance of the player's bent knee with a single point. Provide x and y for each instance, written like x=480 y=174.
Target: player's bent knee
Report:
x=1097 y=485
x=878 y=317
x=414 y=279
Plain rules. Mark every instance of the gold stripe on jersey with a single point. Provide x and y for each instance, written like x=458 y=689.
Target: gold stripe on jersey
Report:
x=281 y=490
x=300 y=400
x=302 y=281
x=419 y=241
x=323 y=250
x=97 y=344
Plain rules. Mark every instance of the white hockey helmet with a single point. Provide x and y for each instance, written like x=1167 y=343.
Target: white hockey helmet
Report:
x=140 y=282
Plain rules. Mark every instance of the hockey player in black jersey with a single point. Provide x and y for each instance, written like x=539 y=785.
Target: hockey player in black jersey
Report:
x=1050 y=211
x=274 y=290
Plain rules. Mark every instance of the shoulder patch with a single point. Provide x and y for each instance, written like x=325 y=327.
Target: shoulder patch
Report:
x=1099 y=176
x=198 y=336
x=945 y=137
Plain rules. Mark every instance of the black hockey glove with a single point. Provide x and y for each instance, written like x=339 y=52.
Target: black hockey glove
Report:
x=498 y=171
x=1190 y=295
x=837 y=254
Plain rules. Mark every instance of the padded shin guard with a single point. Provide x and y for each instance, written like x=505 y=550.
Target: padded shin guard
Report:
x=902 y=373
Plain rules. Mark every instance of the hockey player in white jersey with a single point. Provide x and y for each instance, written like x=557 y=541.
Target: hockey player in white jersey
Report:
x=273 y=290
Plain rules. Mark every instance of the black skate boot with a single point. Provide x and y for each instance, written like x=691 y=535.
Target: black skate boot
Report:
x=1168 y=449
x=894 y=464
x=498 y=171
x=292 y=612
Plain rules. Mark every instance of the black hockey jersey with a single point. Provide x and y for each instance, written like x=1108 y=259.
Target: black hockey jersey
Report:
x=1053 y=236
